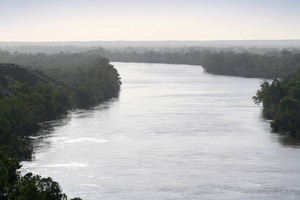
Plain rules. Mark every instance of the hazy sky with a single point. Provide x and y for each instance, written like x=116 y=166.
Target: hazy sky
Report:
x=86 y=20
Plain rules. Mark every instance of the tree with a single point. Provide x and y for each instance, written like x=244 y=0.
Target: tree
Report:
x=281 y=103
x=33 y=187
x=287 y=118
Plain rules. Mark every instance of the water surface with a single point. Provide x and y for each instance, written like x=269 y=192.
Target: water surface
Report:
x=175 y=132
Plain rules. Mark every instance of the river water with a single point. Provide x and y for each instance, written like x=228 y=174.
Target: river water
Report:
x=175 y=132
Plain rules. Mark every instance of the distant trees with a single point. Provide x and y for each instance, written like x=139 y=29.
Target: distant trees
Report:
x=225 y=62
x=251 y=65
x=92 y=84
x=281 y=103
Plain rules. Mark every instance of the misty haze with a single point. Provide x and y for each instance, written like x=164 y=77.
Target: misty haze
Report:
x=149 y=100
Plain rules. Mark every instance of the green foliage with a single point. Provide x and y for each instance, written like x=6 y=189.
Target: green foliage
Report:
x=281 y=103
x=88 y=79
x=92 y=85
x=40 y=99
x=288 y=116
x=32 y=187
x=20 y=114
x=224 y=62
x=8 y=174
x=251 y=62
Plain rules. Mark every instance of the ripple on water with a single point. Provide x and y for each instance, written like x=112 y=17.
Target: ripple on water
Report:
x=73 y=165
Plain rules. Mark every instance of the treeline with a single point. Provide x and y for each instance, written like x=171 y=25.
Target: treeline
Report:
x=281 y=103
x=251 y=65
x=169 y=56
x=270 y=65
x=68 y=85
x=89 y=78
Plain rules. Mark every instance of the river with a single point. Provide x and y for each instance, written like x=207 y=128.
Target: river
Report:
x=175 y=132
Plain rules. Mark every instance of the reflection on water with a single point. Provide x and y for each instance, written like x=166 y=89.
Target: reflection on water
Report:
x=290 y=141
x=175 y=132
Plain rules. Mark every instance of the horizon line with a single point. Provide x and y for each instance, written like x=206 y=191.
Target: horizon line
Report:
x=78 y=41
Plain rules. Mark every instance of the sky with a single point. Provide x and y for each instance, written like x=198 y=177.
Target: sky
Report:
x=143 y=20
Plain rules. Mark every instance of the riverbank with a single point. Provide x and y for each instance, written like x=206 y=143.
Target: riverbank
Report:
x=272 y=64
x=25 y=106
x=174 y=132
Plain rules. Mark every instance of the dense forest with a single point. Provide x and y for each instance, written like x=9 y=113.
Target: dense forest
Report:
x=272 y=64
x=29 y=97
x=251 y=65
x=256 y=62
x=281 y=103
x=48 y=86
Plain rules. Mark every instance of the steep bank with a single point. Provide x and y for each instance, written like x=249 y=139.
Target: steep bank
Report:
x=31 y=97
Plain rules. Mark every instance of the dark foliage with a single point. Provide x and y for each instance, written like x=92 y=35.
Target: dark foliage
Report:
x=25 y=104
x=88 y=78
x=281 y=103
x=251 y=65
x=269 y=65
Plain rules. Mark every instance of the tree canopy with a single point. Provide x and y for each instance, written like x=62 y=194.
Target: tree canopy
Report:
x=29 y=97
x=281 y=103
